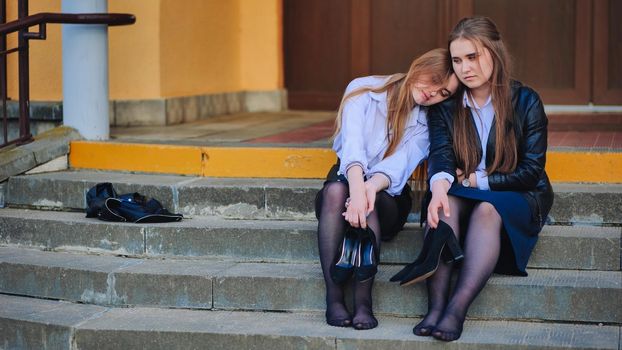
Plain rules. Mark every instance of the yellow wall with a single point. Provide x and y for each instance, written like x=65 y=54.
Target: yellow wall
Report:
x=45 y=56
x=175 y=48
x=134 y=52
x=200 y=47
x=261 y=47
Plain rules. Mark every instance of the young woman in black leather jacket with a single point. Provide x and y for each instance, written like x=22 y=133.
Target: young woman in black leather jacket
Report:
x=495 y=198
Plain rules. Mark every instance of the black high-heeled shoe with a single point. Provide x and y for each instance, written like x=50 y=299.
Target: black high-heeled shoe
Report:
x=440 y=238
x=423 y=253
x=343 y=268
x=406 y=270
x=366 y=265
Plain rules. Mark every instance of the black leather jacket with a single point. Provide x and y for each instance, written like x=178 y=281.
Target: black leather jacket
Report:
x=529 y=177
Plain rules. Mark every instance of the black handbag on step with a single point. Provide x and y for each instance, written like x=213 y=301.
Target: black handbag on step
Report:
x=104 y=203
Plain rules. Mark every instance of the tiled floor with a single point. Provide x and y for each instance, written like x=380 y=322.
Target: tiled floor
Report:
x=313 y=129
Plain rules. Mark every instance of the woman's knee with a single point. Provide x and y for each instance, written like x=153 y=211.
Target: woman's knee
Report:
x=484 y=211
x=334 y=194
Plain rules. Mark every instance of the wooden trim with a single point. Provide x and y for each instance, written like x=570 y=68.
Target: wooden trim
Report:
x=582 y=90
x=360 y=38
x=461 y=9
x=445 y=22
x=583 y=46
x=602 y=93
x=314 y=100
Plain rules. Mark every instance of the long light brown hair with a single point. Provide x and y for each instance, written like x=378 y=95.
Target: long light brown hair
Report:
x=483 y=33
x=433 y=65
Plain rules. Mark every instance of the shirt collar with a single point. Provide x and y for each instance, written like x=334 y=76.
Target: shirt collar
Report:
x=381 y=97
x=466 y=102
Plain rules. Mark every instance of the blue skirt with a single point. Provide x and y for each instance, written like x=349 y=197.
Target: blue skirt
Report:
x=519 y=233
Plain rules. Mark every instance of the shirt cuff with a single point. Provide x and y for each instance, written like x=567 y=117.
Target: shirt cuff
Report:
x=351 y=165
x=442 y=175
x=482 y=180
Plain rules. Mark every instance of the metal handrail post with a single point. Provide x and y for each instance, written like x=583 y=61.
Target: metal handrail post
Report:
x=24 y=76
x=3 y=72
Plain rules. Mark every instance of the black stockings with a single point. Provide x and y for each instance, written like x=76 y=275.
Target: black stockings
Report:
x=331 y=227
x=482 y=245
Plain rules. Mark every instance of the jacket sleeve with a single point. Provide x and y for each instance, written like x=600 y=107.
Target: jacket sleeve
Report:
x=399 y=166
x=352 y=129
x=442 y=157
x=531 y=152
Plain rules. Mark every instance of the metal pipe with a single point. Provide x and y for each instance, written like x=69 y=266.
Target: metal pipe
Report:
x=116 y=19
x=3 y=71
x=22 y=25
x=24 y=75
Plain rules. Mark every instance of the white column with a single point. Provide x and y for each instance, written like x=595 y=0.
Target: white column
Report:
x=85 y=72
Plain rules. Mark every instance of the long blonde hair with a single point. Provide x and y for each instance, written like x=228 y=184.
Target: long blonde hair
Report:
x=434 y=65
x=482 y=31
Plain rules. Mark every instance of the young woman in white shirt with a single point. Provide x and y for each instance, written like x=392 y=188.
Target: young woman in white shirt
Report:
x=381 y=136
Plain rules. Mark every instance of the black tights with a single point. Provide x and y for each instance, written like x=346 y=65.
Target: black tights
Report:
x=331 y=228
x=482 y=245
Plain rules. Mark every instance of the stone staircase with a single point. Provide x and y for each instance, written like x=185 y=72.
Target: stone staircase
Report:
x=241 y=271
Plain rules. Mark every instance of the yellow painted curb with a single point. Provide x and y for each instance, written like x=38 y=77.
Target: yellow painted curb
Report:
x=300 y=163
x=167 y=159
x=601 y=167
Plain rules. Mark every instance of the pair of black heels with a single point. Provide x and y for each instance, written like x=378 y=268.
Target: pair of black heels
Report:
x=358 y=256
x=432 y=252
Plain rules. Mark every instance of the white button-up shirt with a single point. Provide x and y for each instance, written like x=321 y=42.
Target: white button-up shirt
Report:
x=483 y=118
x=363 y=140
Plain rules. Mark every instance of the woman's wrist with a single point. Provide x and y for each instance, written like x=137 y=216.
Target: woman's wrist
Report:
x=378 y=182
x=440 y=186
x=473 y=180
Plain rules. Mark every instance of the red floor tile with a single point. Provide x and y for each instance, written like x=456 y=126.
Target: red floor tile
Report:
x=311 y=133
x=555 y=138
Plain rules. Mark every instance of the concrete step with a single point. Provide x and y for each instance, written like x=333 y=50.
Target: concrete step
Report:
x=555 y=295
x=37 y=324
x=560 y=247
x=595 y=204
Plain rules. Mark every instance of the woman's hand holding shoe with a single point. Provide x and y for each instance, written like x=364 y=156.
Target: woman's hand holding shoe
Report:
x=356 y=210
x=439 y=201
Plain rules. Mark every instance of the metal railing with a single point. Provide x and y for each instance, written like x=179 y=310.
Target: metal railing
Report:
x=21 y=26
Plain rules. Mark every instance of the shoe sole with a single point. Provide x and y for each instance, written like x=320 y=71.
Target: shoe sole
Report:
x=420 y=278
x=426 y=275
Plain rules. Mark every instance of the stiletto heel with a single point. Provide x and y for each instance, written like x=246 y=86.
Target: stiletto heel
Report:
x=366 y=265
x=455 y=252
x=343 y=267
x=439 y=238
